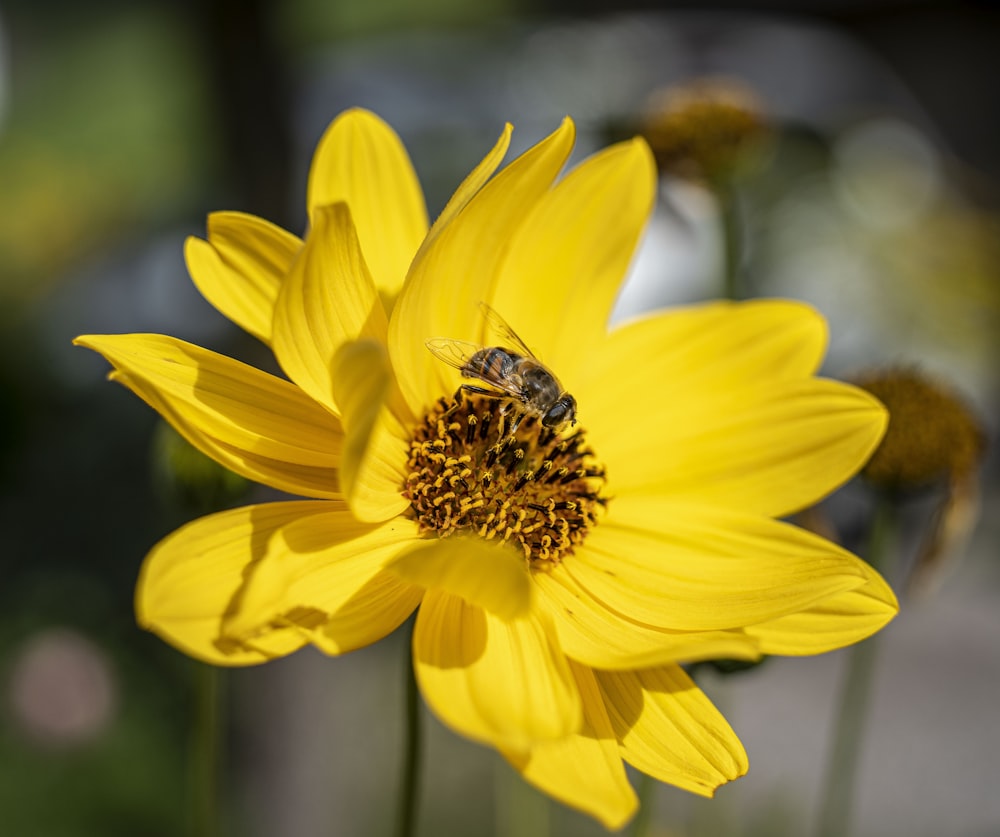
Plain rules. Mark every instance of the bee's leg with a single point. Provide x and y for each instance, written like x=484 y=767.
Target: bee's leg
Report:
x=515 y=422
x=502 y=442
x=510 y=419
x=488 y=393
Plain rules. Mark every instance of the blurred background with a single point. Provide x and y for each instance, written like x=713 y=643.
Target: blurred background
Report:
x=867 y=186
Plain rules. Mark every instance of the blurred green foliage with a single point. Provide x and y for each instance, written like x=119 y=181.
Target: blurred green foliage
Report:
x=105 y=137
x=311 y=22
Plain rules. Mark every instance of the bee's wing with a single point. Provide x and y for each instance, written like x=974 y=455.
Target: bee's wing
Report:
x=498 y=325
x=455 y=353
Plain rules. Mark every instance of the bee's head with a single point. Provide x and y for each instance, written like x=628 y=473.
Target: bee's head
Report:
x=564 y=410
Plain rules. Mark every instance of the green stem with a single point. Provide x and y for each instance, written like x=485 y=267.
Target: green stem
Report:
x=644 y=818
x=842 y=768
x=407 y=824
x=520 y=810
x=207 y=752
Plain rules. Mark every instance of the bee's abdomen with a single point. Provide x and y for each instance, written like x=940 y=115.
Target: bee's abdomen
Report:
x=493 y=363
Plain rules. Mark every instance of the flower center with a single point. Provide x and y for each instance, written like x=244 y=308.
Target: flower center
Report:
x=538 y=488
x=932 y=434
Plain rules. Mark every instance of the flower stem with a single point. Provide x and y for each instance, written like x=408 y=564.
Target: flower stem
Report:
x=842 y=768
x=407 y=823
x=644 y=816
x=206 y=752
x=520 y=810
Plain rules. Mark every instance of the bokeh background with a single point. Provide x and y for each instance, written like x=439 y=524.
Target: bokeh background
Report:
x=123 y=123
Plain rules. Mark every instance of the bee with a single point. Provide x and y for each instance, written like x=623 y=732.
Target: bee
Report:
x=513 y=372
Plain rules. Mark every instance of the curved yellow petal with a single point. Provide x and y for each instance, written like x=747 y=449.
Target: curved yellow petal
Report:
x=190 y=579
x=673 y=377
x=475 y=181
x=240 y=269
x=832 y=623
x=278 y=641
x=454 y=273
x=702 y=350
x=319 y=574
x=699 y=568
x=502 y=683
x=258 y=425
x=585 y=770
x=487 y=575
x=777 y=451
x=295 y=478
x=361 y=161
x=761 y=442
x=373 y=612
x=670 y=730
x=595 y=635
x=327 y=301
x=566 y=262
x=373 y=470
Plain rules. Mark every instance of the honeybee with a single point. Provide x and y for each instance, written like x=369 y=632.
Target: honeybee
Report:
x=512 y=371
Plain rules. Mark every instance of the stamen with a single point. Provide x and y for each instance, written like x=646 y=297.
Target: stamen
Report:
x=526 y=477
x=502 y=475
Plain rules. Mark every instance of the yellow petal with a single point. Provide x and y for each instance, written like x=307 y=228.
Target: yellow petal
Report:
x=774 y=451
x=708 y=349
x=493 y=577
x=595 y=635
x=454 y=273
x=721 y=409
x=279 y=641
x=665 y=375
x=253 y=423
x=327 y=301
x=361 y=161
x=699 y=568
x=320 y=574
x=585 y=770
x=832 y=623
x=502 y=683
x=375 y=443
x=566 y=262
x=241 y=267
x=670 y=730
x=190 y=579
x=374 y=611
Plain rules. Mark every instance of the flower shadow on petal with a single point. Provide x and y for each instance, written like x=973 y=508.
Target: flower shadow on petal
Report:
x=321 y=578
x=445 y=654
x=624 y=705
x=627 y=697
x=259 y=543
x=668 y=728
x=374 y=448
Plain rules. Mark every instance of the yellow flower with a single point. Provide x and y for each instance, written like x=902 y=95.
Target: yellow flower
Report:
x=561 y=576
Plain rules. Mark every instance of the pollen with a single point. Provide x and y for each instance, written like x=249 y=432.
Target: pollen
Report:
x=538 y=489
